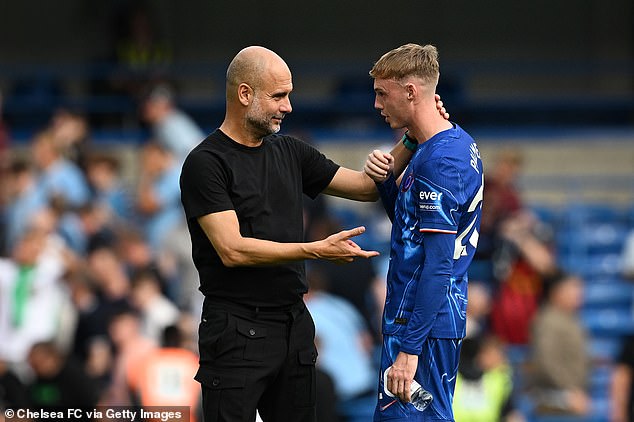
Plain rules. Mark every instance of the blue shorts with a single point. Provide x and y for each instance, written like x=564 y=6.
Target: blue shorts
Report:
x=436 y=373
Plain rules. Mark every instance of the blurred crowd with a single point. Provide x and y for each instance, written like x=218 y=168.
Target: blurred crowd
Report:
x=98 y=293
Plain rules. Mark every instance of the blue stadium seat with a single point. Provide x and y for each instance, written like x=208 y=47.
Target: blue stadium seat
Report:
x=608 y=295
x=547 y=214
x=593 y=238
x=594 y=213
x=594 y=266
x=605 y=348
x=616 y=322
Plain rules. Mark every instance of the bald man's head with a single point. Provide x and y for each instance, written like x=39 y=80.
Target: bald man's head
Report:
x=250 y=66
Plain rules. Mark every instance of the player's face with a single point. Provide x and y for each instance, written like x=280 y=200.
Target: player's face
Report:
x=271 y=102
x=391 y=101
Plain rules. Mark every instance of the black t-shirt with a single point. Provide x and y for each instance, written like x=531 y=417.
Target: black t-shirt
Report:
x=264 y=186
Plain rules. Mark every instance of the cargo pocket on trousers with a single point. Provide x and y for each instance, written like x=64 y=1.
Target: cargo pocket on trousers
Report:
x=305 y=379
x=212 y=327
x=252 y=340
x=222 y=393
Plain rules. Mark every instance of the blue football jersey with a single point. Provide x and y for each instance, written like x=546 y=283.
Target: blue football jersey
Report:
x=434 y=237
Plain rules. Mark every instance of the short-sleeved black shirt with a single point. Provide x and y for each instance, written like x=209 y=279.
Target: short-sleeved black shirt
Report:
x=264 y=186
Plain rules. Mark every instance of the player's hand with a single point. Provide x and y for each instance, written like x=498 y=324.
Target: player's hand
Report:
x=400 y=377
x=379 y=165
x=339 y=248
x=440 y=107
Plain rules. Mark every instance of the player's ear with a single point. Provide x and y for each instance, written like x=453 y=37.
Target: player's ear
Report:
x=412 y=91
x=245 y=94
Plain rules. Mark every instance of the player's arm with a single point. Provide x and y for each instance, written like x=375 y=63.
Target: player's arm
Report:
x=223 y=230
x=431 y=290
x=352 y=184
x=361 y=185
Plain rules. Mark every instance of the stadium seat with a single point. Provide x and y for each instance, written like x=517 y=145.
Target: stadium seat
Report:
x=608 y=295
x=604 y=348
x=594 y=266
x=616 y=322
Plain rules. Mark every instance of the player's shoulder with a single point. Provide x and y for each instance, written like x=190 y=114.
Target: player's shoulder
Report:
x=451 y=146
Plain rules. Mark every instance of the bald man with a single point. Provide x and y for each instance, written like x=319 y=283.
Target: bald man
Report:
x=241 y=189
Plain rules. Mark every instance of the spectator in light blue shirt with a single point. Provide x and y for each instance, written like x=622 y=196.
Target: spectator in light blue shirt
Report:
x=104 y=175
x=344 y=342
x=59 y=179
x=23 y=201
x=158 y=193
x=171 y=127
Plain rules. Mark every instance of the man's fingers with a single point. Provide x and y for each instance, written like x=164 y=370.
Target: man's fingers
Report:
x=372 y=168
x=347 y=234
x=441 y=107
x=398 y=387
x=361 y=252
x=351 y=250
x=378 y=165
x=380 y=156
x=353 y=245
x=402 y=391
x=368 y=254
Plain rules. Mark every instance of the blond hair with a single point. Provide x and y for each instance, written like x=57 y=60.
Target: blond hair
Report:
x=408 y=60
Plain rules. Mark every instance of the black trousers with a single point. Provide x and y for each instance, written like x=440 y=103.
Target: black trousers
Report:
x=257 y=358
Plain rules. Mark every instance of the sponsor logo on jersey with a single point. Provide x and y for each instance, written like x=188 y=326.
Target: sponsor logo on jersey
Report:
x=434 y=196
x=429 y=200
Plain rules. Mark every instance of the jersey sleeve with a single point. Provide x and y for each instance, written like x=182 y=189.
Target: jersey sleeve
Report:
x=388 y=191
x=203 y=185
x=317 y=170
x=438 y=187
x=432 y=286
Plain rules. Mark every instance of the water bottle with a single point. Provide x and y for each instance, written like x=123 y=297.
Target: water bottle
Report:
x=419 y=397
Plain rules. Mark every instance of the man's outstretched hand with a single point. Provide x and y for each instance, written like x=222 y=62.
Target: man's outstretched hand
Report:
x=340 y=248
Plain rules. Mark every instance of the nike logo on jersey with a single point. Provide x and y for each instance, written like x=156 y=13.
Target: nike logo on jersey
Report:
x=388 y=405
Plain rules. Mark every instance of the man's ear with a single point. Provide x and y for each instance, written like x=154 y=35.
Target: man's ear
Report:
x=412 y=91
x=245 y=94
